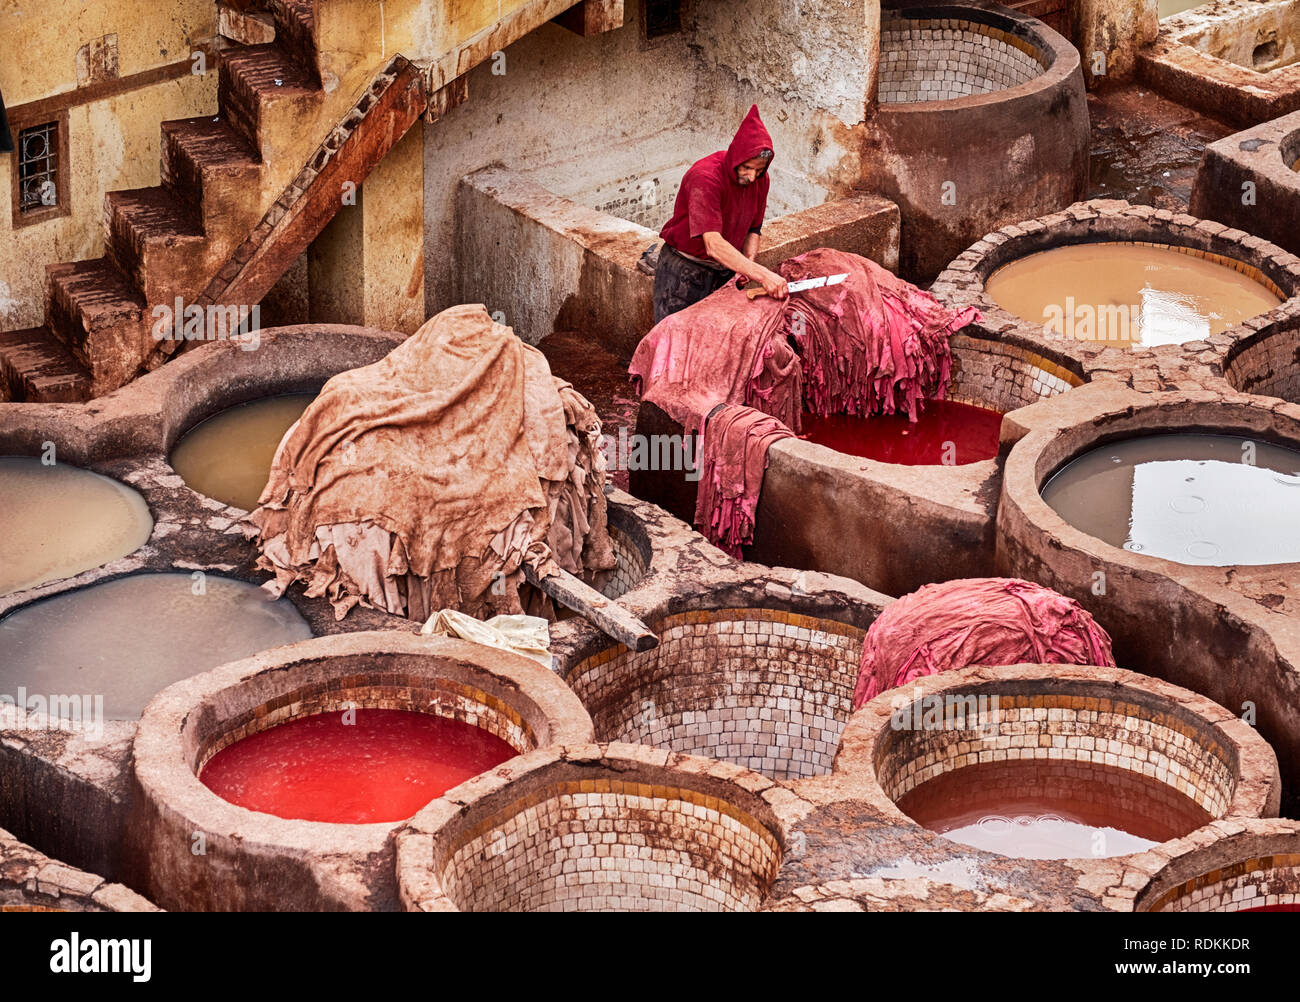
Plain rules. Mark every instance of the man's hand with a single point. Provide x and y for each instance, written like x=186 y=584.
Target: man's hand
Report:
x=773 y=284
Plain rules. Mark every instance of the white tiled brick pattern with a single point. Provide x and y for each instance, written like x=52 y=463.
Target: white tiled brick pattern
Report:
x=1125 y=735
x=618 y=846
x=944 y=59
x=1002 y=377
x=630 y=571
x=1252 y=883
x=770 y=695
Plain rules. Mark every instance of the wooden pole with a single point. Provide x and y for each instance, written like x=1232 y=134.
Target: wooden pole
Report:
x=603 y=612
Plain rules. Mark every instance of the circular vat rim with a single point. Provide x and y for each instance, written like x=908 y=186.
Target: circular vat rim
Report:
x=434 y=834
x=1256 y=782
x=1032 y=461
x=182 y=723
x=1209 y=855
x=1063 y=58
x=963 y=282
x=1282 y=328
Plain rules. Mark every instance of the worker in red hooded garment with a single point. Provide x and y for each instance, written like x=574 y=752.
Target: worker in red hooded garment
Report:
x=717 y=219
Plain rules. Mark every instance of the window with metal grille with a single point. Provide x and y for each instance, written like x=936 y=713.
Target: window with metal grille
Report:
x=38 y=167
x=662 y=17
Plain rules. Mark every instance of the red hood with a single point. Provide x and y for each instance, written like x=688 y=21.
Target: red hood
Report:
x=750 y=139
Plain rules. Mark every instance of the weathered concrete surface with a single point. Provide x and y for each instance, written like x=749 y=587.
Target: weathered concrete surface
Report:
x=555 y=97
x=1109 y=34
x=547 y=262
x=1204 y=58
x=31 y=881
x=1035 y=133
x=1262 y=159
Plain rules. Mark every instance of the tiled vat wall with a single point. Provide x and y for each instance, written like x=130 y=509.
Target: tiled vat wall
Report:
x=628 y=573
x=1247 y=883
x=1003 y=377
x=943 y=59
x=1270 y=366
x=443 y=697
x=765 y=689
x=614 y=846
x=1122 y=734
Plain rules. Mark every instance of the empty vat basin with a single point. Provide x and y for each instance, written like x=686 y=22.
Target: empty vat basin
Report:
x=595 y=828
x=766 y=689
x=62 y=520
x=228 y=456
x=1193 y=498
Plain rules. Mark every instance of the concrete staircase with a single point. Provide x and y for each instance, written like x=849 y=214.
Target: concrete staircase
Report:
x=220 y=206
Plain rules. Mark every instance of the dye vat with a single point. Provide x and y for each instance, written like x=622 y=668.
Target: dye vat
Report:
x=1130 y=295
x=1050 y=809
x=228 y=456
x=62 y=520
x=352 y=767
x=601 y=829
x=1251 y=866
x=1215 y=500
x=946 y=433
x=129 y=638
x=1056 y=761
x=1168 y=8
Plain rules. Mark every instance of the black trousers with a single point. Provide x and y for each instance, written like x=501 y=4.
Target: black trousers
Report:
x=680 y=282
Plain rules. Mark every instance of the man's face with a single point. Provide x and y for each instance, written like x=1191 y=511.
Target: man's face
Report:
x=748 y=172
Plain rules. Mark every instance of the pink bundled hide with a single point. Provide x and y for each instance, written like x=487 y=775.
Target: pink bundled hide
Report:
x=873 y=344
x=976 y=621
x=733 y=457
x=725 y=349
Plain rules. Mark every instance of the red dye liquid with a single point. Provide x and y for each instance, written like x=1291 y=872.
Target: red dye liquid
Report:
x=1052 y=809
x=945 y=433
x=1273 y=908
x=384 y=767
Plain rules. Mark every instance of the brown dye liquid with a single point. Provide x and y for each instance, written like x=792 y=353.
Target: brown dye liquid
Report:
x=1217 y=500
x=61 y=520
x=1052 y=809
x=228 y=456
x=1127 y=295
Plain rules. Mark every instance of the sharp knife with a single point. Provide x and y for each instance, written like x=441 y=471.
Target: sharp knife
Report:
x=803 y=285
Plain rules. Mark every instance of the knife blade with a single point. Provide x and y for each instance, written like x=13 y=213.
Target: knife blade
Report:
x=804 y=284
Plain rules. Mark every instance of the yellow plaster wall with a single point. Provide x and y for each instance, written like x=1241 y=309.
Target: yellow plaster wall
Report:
x=39 y=39
x=112 y=144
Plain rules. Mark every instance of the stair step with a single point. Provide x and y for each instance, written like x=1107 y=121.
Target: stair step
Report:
x=36 y=368
x=155 y=239
x=99 y=316
x=83 y=297
x=208 y=165
x=248 y=81
x=295 y=22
